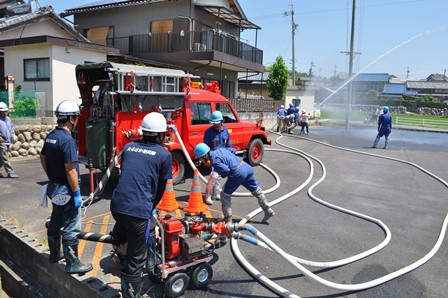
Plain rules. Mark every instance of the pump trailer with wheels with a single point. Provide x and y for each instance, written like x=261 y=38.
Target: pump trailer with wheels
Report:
x=184 y=251
x=116 y=97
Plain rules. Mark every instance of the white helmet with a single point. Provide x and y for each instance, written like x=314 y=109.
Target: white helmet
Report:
x=154 y=122
x=67 y=108
x=3 y=107
x=303 y=111
x=282 y=106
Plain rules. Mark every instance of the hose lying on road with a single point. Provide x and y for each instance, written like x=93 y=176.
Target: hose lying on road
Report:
x=296 y=261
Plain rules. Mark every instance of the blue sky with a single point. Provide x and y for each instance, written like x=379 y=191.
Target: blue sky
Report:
x=393 y=36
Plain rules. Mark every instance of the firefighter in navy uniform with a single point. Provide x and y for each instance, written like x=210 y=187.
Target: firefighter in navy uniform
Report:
x=238 y=172
x=145 y=169
x=384 y=127
x=216 y=136
x=59 y=159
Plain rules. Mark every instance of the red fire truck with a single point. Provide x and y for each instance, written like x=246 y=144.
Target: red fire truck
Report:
x=116 y=97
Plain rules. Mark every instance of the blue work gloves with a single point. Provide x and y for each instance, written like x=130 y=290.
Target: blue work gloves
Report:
x=78 y=198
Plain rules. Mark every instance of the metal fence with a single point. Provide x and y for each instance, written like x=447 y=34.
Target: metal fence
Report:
x=25 y=104
x=421 y=122
x=193 y=41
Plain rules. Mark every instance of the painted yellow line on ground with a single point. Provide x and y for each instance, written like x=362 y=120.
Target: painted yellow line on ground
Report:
x=82 y=243
x=178 y=213
x=208 y=214
x=95 y=216
x=99 y=248
x=114 y=279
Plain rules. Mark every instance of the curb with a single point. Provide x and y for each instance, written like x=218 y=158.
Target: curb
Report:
x=26 y=272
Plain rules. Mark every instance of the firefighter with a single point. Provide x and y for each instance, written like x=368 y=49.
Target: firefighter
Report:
x=281 y=113
x=295 y=116
x=238 y=172
x=59 y=159
x=7 y=136
x=145 y=169
x=304 y=120
x=384 y=127
x=216 y=136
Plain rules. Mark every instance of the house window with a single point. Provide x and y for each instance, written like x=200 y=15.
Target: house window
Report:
x=37 y=69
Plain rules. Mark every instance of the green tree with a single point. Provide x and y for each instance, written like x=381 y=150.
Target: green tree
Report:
x=278 y=79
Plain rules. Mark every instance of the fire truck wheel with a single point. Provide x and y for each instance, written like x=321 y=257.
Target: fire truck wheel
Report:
x=178 y=166
x=201 y=275
x=255 y=152
x=176 y=285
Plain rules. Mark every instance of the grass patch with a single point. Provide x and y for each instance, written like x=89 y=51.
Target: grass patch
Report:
x=416 y=120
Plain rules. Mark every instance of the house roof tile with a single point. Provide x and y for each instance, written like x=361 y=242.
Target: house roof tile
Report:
x=234 y=15
x=371 y=77
x=46 y=12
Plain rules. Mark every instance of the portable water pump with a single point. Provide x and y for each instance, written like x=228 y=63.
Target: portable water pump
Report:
x=187 y=245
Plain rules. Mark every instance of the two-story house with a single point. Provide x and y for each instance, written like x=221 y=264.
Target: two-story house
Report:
x=199 y=36
x=41 y=51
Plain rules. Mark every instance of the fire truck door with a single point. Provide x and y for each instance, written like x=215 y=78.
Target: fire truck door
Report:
x=199 y=121
x=236 y=131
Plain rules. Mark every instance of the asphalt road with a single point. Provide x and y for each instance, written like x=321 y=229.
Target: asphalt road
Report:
x=409 y=201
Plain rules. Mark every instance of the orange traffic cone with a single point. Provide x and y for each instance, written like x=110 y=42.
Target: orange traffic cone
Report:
x=168 y=202
x=195 y=202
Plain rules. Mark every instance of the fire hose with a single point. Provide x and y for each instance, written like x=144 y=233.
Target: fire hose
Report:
x=236 y=194
x=296 y=261
x=88 y=201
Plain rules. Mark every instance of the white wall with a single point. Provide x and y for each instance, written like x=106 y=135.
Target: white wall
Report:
x=63 y=60
x=14 y=57
x=63 y=75
x=306 y=101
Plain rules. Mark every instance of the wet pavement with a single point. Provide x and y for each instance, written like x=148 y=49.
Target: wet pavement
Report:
x=410 y=202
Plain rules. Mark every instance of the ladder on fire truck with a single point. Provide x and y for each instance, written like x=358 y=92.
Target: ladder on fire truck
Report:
x=156 y=81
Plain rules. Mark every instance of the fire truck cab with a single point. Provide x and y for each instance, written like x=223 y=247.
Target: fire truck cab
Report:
x=116 y=97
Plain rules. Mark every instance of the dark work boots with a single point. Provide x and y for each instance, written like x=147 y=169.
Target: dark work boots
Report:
x=54 y=244
x=73 y=265
x=131 y=285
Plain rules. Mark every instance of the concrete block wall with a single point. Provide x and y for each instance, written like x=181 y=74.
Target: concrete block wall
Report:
x=26 y=271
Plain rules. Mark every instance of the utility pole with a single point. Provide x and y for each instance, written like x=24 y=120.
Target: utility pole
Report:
x=311 y=69
x=407 y=73
x=294 y=27
x=351 y=54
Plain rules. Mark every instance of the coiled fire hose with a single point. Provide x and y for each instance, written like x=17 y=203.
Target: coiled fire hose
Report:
x=295 y=261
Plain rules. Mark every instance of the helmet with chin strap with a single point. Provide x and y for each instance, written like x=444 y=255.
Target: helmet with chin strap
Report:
x=3 y=107
x=216 y=117
x=200 y=150
x=67 y=108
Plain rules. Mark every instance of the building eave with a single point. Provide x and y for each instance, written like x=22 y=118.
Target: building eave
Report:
x=44 y=39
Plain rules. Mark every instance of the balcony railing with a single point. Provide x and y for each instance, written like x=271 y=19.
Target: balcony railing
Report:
x=193 y=41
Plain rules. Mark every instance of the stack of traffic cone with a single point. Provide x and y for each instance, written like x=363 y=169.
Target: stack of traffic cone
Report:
x=168 y=202
x=195 y=202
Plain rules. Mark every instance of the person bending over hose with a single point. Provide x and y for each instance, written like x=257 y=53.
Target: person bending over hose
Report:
x=227 y=164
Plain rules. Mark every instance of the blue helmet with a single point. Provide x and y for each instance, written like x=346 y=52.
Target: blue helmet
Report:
x=291 y=105
x=386 y=109
x=200 y=150
x=216 y=117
